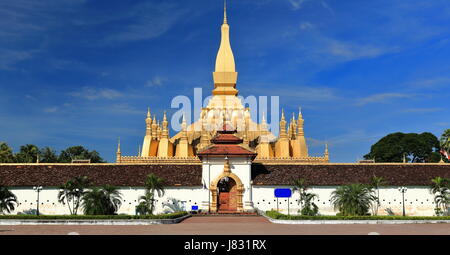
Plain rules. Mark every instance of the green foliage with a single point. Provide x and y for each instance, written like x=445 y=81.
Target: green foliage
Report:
x=375 y=183
x=104 y=200
x=353 y=199
x=280 y=216
x=48 y=155
x=27 y=154
x=79 y=152
x=152 y=184
x=6 y=153
x=445 y=143
x=95 y=217
x=440 y=187
x=72 y=191
x=173 y=206
x=416 y=148
x=8 y=200
x=308 y=207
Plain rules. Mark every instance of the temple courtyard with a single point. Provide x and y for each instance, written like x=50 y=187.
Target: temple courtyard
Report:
x=226 y=225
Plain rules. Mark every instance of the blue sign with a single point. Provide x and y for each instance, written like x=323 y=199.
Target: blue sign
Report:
x=283 y=193
x=194 y=207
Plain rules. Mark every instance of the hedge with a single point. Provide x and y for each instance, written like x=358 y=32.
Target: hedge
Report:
x=94 y=217
x=280 y=216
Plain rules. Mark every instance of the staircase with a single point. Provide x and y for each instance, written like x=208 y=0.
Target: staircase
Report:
x=225 y=213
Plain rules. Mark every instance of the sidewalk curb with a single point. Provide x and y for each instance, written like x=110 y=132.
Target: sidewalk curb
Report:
x=4 y=222
x=343 y=222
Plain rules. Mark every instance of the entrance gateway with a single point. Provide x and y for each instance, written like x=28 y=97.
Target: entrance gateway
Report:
x=226 y=187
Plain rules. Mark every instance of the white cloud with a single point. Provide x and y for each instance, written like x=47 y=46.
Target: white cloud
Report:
x=156 y=81
x=381 y=98
x=306 y=26
x=51 y=109
x=148 y=20
x=296 y=4
x=91 y=93
x=11 y=57
x=423 y=110
x=431 y=83
x=350 y=51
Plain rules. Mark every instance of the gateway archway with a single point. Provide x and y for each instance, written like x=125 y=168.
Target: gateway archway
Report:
x=226 y=193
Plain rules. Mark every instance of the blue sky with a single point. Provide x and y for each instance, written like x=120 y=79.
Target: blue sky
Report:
x=80 y=72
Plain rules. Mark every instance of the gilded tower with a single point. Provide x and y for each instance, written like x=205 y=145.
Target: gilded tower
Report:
x=224 y=109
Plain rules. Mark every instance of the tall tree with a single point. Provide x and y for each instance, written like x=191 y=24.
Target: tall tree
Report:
x=414 y=147
x=48 y=155
x=445 y=143
x=152 y=184
x=8 y=200
x=307 y=206
x=27 y=154
x=440 y=187
x=72 y=191
x=6 y=153
x=79 y=152
x=375 y=183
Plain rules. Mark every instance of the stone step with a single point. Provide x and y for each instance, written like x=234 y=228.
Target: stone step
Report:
x=231 y=214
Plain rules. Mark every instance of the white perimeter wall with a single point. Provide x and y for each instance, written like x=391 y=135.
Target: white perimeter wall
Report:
x=418 y=200
x=48 y=199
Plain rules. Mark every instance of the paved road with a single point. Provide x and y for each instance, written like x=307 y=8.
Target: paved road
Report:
x=231 y=226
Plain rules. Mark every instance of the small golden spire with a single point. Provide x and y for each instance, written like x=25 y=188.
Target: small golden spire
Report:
x=225 y=12
x=226 y=167
x=148 y=113
x=118 y=153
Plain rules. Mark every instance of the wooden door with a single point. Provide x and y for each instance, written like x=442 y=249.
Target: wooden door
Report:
x=224 y=201
x=233 y=198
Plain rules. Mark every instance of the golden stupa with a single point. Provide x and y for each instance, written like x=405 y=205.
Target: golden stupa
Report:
x=223 y=109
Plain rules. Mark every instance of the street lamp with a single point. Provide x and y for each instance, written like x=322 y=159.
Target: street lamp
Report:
x=37 y=189
x=403 y=191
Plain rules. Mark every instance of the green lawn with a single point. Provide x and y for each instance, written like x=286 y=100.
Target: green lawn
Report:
x=280 y=216
x=94 y=217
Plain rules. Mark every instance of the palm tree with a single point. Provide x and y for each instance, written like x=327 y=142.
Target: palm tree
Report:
x=310 y=208
x=445 y=142
x=440 y=187
x=353 y=199
x=72 y=192
x=173 y=207
x=376 y=182
x=104 y=200
x=113 y=198
x=307 y=206
x=152 y=184
x=8 y=200
x=93 y=202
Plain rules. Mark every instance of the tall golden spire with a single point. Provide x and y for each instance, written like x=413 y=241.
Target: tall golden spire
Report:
x=225 y=75
x=283 y=133
x=148 y=122
x=165 y=124
x=300 y=122
x=225 y=12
